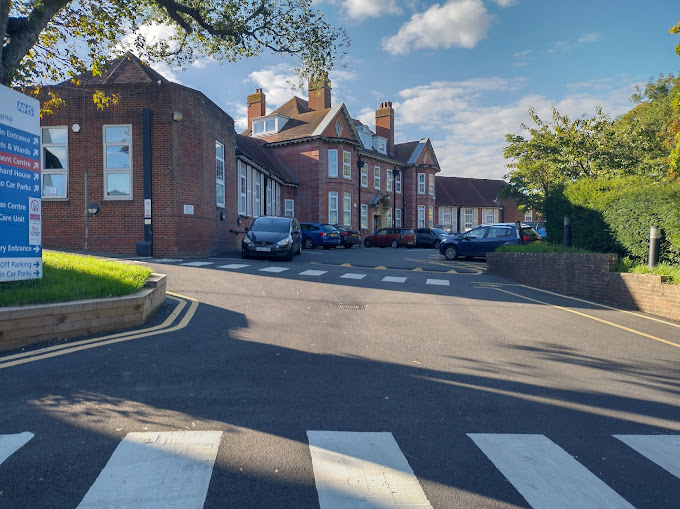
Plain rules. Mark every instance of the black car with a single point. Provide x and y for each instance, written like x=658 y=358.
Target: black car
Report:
x=348 y=236
x=430 y=237
x=272 y=236
x=484 y=239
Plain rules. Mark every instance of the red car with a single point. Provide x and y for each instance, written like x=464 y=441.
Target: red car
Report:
x=393 y=237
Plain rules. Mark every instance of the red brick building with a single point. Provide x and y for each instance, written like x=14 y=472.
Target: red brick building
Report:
x=463 y=203
x=347 y=173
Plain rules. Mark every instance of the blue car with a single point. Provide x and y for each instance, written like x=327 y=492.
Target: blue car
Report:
x=484 y=239
x=319 y=234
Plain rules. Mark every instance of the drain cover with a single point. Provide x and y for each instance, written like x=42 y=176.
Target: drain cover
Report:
x=349 y=307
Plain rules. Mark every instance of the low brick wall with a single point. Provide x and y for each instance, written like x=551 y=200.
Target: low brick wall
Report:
x=24 y=325
x=590 y=276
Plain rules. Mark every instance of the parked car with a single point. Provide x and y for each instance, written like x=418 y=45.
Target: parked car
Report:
x=348 y=236
x=272 y=236
x=319 y=234
x=450 y=230
x=393 y=237
x=430 y=237
x=484 y=239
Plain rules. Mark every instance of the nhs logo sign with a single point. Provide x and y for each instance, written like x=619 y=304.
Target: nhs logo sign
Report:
x=25 y=108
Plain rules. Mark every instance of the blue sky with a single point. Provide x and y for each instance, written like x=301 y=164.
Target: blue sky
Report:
x=465 y=72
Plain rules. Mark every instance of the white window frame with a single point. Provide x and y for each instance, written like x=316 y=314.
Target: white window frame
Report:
x=332 y=162
x=278 y=198
x=249 y=191
x=219 y=174
x=346 y=164
x=388 y=182
x=289 y=207
x=268 y=197
x=53 y=171
x=364 y=216
x=257 y=195
x=117 y=171
x=529 y=215
x=388 y=218
x=364 y=175
x=468 y=219
x=241 y=188
x=421 y=185
x=397 y=182
x=376 y=177
x=421 y=216
x=489 y=216
x=397 y=218
x=346 y=209
x=430 y=217
x=333 y=207
x=430 y=189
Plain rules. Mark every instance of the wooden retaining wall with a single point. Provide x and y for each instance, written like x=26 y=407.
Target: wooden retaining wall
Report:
x=21 y=326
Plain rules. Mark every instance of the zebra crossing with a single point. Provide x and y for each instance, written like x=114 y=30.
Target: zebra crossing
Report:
x=275 y=269
x=351 y=469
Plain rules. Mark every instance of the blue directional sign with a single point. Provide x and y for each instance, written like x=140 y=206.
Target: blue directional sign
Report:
x=20 y=198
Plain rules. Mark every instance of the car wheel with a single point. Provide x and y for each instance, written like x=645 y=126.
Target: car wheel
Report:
x=368 y=243
x=451 y=253
x=436 y=244
x=309 y=244
x=394 y=244
x=289 y=256
x=347 y=246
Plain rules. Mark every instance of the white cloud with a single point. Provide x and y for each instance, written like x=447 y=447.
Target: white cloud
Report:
x=505 y=3
x=566 y=46
x=469 y=136
x=460 y=23
x=361 y=9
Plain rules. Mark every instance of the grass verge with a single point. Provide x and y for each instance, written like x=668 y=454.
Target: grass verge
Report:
x=69 y=277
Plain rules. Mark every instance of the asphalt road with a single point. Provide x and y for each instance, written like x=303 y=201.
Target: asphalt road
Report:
x=269 y=378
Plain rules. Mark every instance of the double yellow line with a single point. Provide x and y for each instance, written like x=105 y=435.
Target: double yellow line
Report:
x=168 y=325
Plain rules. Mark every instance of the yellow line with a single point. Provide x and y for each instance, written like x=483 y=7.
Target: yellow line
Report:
x=591 y=317
x=56 y=351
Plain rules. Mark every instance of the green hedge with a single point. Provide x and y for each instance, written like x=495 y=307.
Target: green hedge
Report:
x=616 y=215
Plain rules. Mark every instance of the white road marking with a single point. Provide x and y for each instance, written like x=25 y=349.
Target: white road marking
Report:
x=394 y=279
x=233 y=266
x=440 y=282
x=9 y=444
x=274 y=269
x=197 y=264
x=157 y=470
x=362 y=470
x=350 y=275
x=664 y=450
x=545 y=474
x=313 y=272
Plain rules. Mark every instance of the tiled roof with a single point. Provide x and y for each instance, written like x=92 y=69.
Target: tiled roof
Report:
x=467 y=192
x=254 y=150
x=125 y=69
x=404 y=151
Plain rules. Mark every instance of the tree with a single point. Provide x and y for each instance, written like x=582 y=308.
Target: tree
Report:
x=53 y=40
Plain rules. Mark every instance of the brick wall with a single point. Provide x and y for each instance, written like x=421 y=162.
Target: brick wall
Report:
x=590 y=276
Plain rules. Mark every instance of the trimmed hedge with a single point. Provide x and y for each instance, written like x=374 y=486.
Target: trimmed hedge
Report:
x=614 y=216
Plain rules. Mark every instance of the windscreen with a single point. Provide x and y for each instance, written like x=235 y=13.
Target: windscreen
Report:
x=265 y=224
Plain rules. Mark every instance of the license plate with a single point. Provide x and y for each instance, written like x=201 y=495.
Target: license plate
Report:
x=263 y=249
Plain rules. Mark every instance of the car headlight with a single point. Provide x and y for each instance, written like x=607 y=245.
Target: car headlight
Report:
x=246 y=240
x=284 y=242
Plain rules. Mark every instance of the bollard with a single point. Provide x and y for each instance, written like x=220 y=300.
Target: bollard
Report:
x=518 y=232
x=566 y=232
x=654 y=240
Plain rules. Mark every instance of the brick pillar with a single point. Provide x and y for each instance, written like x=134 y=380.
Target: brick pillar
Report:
x=384 y=124
x=256 y=106
x=319 y=93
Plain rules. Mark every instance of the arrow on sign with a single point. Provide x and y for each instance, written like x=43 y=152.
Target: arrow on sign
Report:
x=36 y=141
x=36 y=248
x=36 y=165
x=35 y=152
x=37 y=264
x=36 y=188
x=36 y=273
x=36 y=176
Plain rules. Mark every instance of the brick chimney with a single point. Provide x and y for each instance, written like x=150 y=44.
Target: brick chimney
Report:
x=256 y=106
x=384 y=124
x=319 y=93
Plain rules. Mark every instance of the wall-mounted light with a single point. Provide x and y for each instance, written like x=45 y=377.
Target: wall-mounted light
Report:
x=93 y=208
x=75 y=128
x=239 y=219
x=177 y=116
x=222 y=215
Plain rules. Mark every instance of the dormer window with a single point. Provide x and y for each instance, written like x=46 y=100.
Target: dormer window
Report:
x=268 y=125
x=380 y=144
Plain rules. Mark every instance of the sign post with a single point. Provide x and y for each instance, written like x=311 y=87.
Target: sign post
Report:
x=20 y=197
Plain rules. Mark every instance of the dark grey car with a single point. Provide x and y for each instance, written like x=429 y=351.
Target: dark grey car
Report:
x=272 y=236
x=430 y=237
